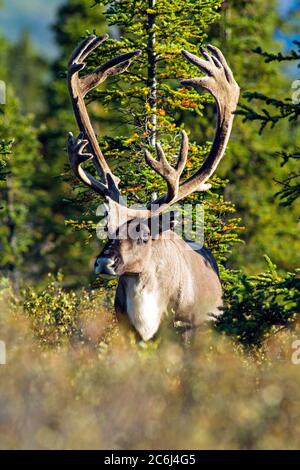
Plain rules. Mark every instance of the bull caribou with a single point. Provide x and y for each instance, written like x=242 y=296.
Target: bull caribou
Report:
x=158 y=271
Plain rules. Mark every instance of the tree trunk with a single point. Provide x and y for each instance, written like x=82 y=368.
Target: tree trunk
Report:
x=152 y=68
x=12 y=240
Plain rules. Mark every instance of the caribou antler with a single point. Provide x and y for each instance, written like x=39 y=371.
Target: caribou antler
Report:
x=78 y=88
x=165 y=170
x=220 y=82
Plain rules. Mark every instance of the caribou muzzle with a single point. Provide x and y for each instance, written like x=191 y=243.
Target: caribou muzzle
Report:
x=104 y=267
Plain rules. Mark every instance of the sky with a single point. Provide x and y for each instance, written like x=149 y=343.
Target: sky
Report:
x=286 y=5
x=34 y=15
x=38 y=15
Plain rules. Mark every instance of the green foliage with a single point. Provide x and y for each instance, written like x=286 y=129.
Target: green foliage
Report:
x=53 y=312
x=280 y=57
x=252 y=171
x=177 y=25
x=68 y=249
x=5 y=151
x=278 y=110
x=290 y=190
x=256 y=307
x=21 y=198
x=59 y=316
x=27 y=73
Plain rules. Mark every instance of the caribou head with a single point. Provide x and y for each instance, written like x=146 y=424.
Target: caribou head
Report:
x=158 y=271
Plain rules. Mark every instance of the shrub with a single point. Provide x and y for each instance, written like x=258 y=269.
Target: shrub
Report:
x=58 y=315
x=258 y=306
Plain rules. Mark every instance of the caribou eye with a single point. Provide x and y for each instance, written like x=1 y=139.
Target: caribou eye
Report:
x=144 y=237
x=141 y=240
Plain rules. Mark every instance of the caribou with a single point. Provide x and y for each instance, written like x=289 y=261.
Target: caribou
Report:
x=158 y=271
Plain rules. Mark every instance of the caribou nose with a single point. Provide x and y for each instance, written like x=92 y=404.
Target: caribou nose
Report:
x=104 y=267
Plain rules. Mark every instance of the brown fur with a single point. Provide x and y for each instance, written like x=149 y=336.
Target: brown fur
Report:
x=167 y=273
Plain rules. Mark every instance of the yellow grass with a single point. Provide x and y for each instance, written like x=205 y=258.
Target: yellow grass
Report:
x=110 y=392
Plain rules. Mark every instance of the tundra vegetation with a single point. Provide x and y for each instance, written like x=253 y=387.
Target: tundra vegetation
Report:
x=75 y=378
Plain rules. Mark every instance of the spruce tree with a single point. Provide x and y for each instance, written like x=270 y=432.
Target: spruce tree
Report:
x=30 y=73
x=147 y=103
x=21 y=197
x=70 y=250
x=251 y=167
x=274 y=111
x=5 y=152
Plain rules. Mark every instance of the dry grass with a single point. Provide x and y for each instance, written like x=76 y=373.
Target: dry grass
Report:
x=118 y=394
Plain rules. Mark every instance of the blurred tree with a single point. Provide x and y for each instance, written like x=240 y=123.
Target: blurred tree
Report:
x=21 y=198
x=27 y=74
x=70 y=250
x=275 y=111
x=5 y=151
x=250 y=166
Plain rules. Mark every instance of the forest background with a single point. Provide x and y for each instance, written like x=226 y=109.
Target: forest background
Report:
x=48 y=240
